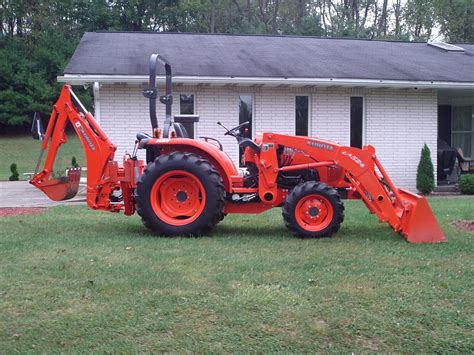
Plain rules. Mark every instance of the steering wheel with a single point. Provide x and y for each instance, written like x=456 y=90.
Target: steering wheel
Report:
x=232 y=131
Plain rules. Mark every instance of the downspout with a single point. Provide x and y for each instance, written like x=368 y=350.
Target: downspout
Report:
x=96 y=91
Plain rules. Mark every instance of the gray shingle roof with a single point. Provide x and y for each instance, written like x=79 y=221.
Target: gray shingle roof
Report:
x=127 y=53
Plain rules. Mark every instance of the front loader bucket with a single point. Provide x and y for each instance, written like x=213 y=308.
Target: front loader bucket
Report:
x=60 y=189
x=418 y=223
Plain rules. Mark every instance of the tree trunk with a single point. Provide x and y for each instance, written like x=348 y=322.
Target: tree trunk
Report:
x=397 y=10
x=322 y=7
x=366 y=12
x=300 y=13
x=19 y=26
x=382 y=27
x=275 y=16
x=212 y=22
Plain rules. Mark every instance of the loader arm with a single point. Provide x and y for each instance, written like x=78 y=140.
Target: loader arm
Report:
x=366 y=179
x=103 y=174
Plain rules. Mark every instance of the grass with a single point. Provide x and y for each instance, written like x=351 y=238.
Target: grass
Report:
x=24 y=151
x=76 y=280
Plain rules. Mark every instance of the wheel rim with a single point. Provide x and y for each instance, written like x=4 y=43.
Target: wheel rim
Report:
x=314 y=212
x=178 y=197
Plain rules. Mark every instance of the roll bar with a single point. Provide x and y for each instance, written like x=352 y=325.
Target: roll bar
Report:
x=152 y=93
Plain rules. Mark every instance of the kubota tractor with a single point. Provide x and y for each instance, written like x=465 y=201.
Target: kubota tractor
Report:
x=187 y=186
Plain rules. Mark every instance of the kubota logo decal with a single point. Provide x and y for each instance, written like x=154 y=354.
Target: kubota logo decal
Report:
x=354 y=158
x=320 y=145
x=86 y=137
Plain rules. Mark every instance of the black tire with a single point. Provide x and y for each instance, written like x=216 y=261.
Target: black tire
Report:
x=202 y=171
x=331 y=200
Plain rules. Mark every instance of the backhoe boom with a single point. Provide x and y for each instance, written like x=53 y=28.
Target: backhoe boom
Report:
x=104 y=176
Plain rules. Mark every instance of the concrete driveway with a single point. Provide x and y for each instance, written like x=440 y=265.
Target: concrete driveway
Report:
x=22 y=194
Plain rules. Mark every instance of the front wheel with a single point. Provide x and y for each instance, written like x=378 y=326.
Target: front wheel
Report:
x=180 y=194
x=313 y=210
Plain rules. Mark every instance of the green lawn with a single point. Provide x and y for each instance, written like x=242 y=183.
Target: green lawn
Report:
x=24 y=151
x=76 y=280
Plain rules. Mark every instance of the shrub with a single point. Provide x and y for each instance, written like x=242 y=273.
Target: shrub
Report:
x=14 y=170
x=74 y=162
x=425 y=182
x=466 y=184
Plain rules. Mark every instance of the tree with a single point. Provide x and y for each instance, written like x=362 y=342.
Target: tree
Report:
x=14 y=170
x=22 y=91
x=383 y=20
x=38 y=37
x=425 y=182
x=420 y=18
x=455 y=19
x=397 y=13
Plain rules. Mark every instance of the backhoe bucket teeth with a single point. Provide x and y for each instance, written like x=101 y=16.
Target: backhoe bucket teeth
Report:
x=63 y=188
x=418 y=223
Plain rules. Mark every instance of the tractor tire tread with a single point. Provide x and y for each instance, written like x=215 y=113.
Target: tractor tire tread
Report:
x=313 y=187
x=207 y=169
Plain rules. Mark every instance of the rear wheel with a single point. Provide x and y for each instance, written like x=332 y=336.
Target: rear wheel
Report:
x=313 y=210
x=180 y=194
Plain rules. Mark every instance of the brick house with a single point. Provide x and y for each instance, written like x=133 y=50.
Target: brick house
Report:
x=392 y=95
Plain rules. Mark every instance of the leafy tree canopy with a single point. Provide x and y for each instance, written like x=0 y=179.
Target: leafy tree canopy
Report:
x=38 y=37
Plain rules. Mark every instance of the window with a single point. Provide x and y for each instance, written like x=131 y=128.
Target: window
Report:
x=186 y=107
x=301 y=115
x=357 y=121
x=463 y=129
x=245 y=114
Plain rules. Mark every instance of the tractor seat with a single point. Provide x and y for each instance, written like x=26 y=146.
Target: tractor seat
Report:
x=186 y=118
x=247 y=142
x=180 y=130
x=143 y=135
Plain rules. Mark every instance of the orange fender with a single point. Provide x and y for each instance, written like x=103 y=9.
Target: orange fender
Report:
x=218 y=158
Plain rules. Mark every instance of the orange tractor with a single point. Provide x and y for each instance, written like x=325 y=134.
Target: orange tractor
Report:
x=187 y=186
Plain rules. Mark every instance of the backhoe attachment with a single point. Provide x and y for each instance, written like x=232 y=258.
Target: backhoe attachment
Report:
x=64 y=187
x=104 y=175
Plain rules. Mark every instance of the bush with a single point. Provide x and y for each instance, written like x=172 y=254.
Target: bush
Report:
x=14 y=170
x=425 y=181
x=74 y=162
x=466 y=184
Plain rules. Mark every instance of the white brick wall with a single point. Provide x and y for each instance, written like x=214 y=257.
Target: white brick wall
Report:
x=331 y=113
x=397 y=122
x=123 y=113
x=275 y=109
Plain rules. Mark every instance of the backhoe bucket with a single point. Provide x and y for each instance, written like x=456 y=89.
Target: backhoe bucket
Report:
x=63 y=188
x=418 y=223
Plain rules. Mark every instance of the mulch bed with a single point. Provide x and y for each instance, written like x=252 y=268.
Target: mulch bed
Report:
x=17 y=211
x=467 y=226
